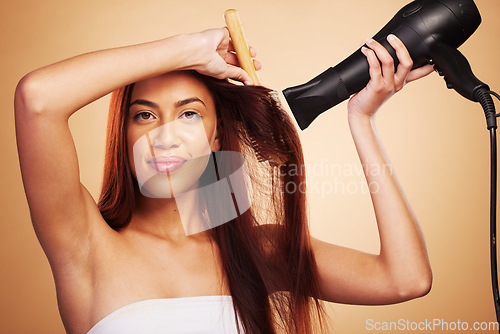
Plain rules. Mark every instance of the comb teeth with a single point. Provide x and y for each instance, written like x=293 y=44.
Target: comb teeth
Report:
x=257 y=150
x=274 y=159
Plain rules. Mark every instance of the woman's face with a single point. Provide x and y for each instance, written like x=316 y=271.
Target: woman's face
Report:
x=172 y=130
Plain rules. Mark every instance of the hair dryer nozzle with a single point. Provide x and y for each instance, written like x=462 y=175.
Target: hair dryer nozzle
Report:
x=309 y=100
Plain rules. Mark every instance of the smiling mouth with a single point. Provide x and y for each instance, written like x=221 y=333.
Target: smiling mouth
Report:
x=166 y=165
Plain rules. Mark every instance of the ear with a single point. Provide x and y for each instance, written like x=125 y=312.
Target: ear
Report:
x=217 y=144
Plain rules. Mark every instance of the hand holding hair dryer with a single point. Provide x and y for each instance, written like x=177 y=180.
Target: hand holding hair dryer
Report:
x=432 y=30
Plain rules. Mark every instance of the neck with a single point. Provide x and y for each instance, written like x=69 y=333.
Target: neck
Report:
x=176 y=217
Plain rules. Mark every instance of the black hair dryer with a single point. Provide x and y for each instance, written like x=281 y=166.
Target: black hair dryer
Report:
x=432 y=30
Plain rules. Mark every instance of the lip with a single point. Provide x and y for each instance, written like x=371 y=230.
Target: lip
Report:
x=166 y=164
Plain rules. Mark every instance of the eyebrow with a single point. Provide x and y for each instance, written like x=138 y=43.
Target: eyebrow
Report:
x=177 y=104
x=188 y=101
x=145 y=103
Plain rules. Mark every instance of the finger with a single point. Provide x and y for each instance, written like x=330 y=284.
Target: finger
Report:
x=232 y=59
x=231 y=47
x=420 y=72
x=224 y=41
x=225 y=32
x=405 y=61
x=253 y=51
x=375 y=69
x=238 y=74
x=257 y=64
x=386 y=60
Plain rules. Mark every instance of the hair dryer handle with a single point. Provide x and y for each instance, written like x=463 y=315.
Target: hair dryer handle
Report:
x=456 y=70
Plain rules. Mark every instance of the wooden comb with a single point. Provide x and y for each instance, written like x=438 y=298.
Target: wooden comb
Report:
x=240 y=45
x=245 y=59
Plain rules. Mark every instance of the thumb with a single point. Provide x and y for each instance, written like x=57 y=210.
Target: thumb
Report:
x=420 y=72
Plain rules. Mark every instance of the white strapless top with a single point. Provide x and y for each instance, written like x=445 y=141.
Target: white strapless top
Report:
x=186 y=315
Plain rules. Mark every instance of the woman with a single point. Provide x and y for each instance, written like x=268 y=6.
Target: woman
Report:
x=134 y=263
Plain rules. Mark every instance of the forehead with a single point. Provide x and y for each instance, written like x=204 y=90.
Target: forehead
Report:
x=172 y=87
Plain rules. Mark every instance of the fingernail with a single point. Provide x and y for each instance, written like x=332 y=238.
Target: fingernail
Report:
x=248 y=83
x=391 y=37
x=369 y=40
x=363 y=49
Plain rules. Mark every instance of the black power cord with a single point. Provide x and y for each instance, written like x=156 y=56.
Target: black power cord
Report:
x=493 y=227
x=483 y=96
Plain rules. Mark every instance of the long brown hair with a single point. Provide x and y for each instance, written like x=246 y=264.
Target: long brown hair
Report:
x=265 y=251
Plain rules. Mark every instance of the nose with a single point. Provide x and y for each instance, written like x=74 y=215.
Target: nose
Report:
x=165 y=137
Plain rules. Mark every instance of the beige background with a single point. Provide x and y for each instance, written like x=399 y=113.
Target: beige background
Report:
x=437 y=140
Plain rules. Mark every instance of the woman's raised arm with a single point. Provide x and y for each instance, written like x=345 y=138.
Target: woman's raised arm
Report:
x=401 y=270
x=63 y=212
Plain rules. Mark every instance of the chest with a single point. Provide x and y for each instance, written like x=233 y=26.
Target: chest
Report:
x=165 y=270
x=121 y=273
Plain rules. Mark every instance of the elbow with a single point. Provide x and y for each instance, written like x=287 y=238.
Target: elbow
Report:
x=422 y=287
x=419 y=286
x=28 y=97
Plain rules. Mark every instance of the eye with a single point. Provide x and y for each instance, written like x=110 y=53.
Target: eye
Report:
x=191 y=115
x=144 y=116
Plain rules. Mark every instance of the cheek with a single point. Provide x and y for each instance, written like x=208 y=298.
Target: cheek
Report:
x=211 y=133
x=131 y=160
x=131 y=141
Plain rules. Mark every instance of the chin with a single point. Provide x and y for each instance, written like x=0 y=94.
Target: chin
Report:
x=157 y=186
x=161 y=185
